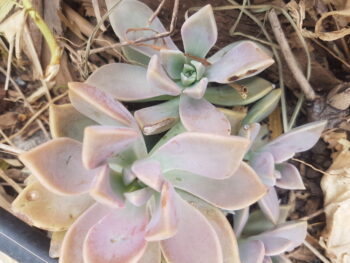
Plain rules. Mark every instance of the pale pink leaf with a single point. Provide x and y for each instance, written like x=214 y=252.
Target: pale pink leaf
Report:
x=72 y=246
x=99 y=106
x=149 y=172
x=204 y=154
x=107 y=189
x=251 y=251
x=264 y=165
x=164 y=221
x=158 y=118
x=238 y=191
x=240 y=219
x=117 y=238
x=194 y=237
x=199 y=32
x=199 y=115
x=297 y=140
x=244 y=60
x=269 y=204
x=103 y=142
x=139 y=197
x=121 y=22
x=157 y=77
x=58 y=165
x=197 y=90
x=275 y=245
x=290 y=177
x=152 y=253
x=124 y=82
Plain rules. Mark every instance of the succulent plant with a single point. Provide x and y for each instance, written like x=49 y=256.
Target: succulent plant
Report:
x=182 y=77
x=126 y=203
x=269 y=161
x=269 y=241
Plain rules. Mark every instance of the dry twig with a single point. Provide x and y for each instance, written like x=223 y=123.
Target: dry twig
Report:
x=288 y=55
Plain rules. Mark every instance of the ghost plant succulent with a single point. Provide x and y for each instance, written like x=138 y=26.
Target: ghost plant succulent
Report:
x=182 y=77
x=269 y=161
x=127 y=204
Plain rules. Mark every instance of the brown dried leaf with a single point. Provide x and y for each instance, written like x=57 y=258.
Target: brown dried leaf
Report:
x=339 y=97
x=8 y=120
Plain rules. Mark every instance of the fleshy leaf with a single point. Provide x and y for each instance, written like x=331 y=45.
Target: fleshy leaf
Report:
x=56 y=243
x=149 y=172
x=152 y=253
x=58 y=166
x=208 y=155
x=41 y=208
x=173 y=62
x=139 y=197
x=164 y=222
x=66 y=121
x=72 y=246
x=158 y=118
x=221 y=226
x=297 y=140
x=263 y=107
x=290 y=177
x=124 y=82
x=199 y=32
x=103 y=142
x=107 y=189
x=251 y=251
x=264 y=165
x=275 y=245
x=238 y=191
x=197 y=90
x=235 y=118
x=244 y=60
x=240 y=219
x=194 y=232
x=122 y=22
x=157 y=77
x=269 y=204
x=119 y=237
x=99 y=106
x=199 y=115
x=228 y=96
x=133 y=56
x=294 y=231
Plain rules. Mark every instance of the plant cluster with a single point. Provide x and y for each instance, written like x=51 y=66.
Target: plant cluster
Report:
x=109 y=194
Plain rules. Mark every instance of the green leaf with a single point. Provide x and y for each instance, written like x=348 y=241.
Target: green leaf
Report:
x=227 y=96
x=263 y=108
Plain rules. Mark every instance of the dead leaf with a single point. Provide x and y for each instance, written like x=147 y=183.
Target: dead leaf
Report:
x=8 y=120
x=339 y=97
x=336 y=188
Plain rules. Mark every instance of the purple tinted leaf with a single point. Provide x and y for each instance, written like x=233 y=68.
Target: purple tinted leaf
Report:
x=290 y=177
x=269 y=204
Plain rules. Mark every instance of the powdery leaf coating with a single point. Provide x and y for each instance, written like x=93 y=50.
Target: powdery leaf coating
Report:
x=99 y=106
x=221 y=226
x=196 y=231
x=66 y=121
x=117 y=238
x=199 y=32
x=199 y=115
x=275 y=245
x=157 y=77
x=264 y=165
x=240 y=219
x=252 y=251
x=173 y=62
x=139 y=197
x=297 y=140
x=125 y=82
x=290 y=177
x=229 y=68
x=103 y=192
x=121 y=22
x=152 y=253
x=197 y=90
x=149 y=172
x=58 y=166
x=269 y=204
x=208 y=155
x=158 y=118
x=164 y=221
x=103 y=142
x=46 y=210
x=238 y=191
x=72 y=246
